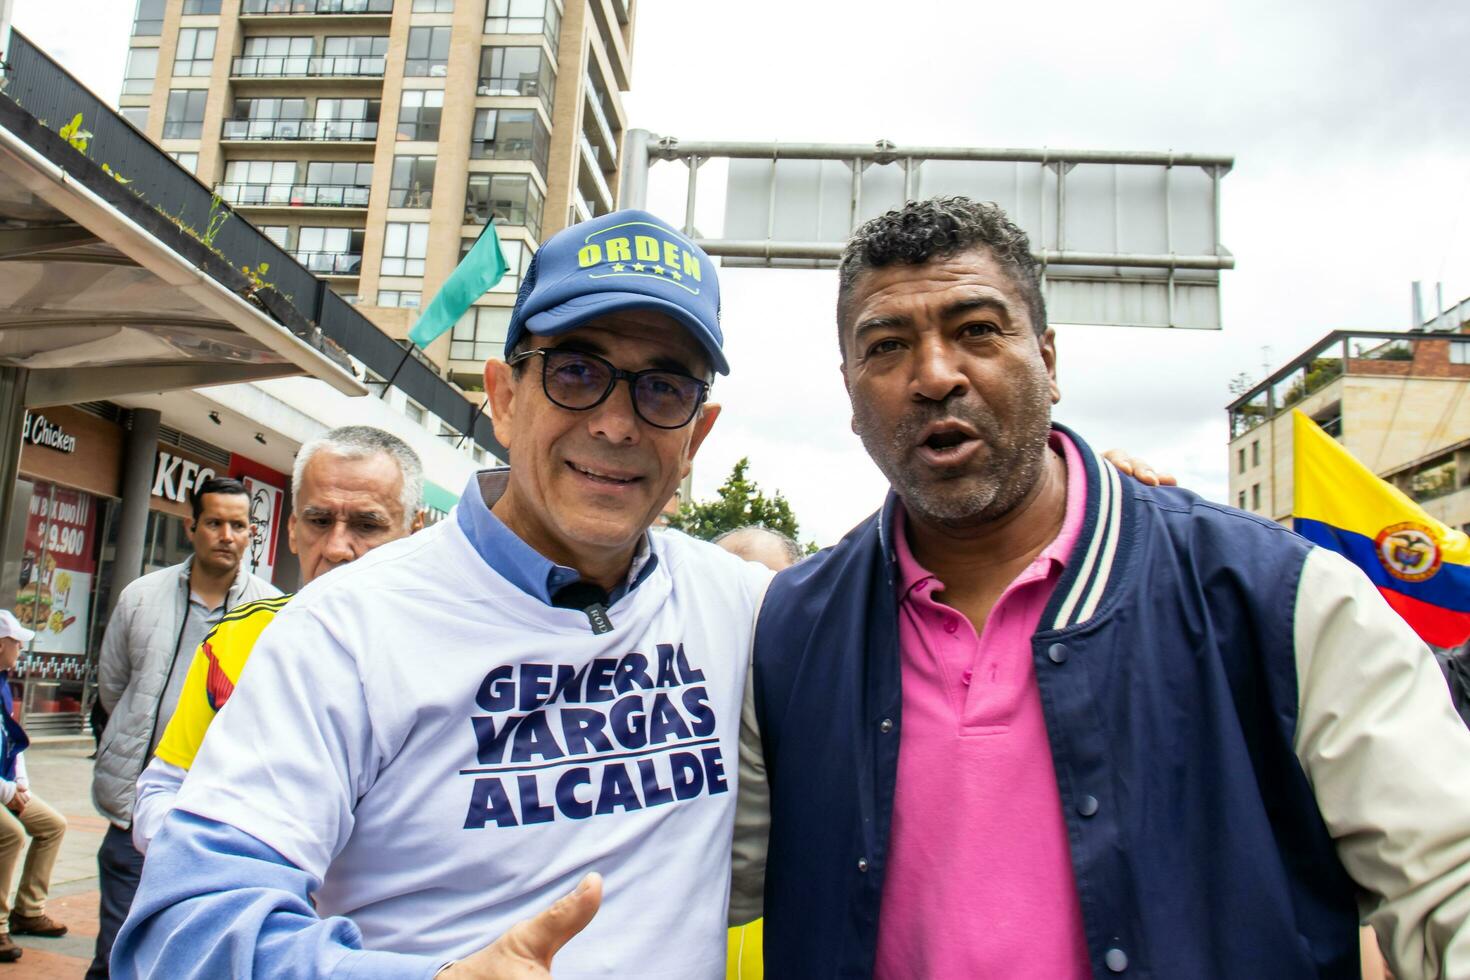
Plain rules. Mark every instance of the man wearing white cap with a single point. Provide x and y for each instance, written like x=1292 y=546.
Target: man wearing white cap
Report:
x=22 y=814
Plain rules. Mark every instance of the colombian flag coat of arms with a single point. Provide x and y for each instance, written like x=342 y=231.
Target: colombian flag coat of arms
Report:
x=1421 y=566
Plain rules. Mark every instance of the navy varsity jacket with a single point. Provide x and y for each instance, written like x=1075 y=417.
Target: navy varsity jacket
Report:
x=1169 y=662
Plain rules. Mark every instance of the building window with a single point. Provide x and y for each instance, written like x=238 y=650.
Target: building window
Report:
x=266 y=119
x=511 y=199
x=280 y=234
x=1255 y=496
x=515 y=253
x=433 y=6
x=510 y=134
x=330 y=251
x=1433 y=479
x=1256 y=452
x=413 y=182
x=148 y=20
x=410 y=298
x=415 y=412
x=404 y=247
x=137 y=115
x=354 y=55
x=524 y=17
x=1460 y=352
x=517 y=71
x=1240 y=500
x=258 y=182
x=337 y=184
x=142 y=69
x=480 y=334
x=206 y=7
x=418 y=114
x=1240 y=460
x=184 y=117
x=428 y=52
x=189 y=161
x=274 y=57
x=195 y=54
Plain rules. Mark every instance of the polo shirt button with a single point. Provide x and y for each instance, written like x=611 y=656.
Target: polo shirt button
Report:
x=1057 y=653
x=885 y=726
x=863 y=864
x=1116 y=960
x=1087 y=806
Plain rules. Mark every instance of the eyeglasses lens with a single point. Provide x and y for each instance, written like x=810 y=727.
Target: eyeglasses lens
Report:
x=576 y=381
x=666 y=399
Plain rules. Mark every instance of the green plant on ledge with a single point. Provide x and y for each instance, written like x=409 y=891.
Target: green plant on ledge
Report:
x=257 y=278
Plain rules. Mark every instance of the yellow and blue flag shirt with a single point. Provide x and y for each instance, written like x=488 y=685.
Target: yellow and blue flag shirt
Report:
x=211 y=679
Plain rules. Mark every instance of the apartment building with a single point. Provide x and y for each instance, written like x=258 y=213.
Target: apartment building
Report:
x=1399 y=402
x=373 y=139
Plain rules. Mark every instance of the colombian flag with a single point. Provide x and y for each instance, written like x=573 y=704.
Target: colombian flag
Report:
x=1421 y=566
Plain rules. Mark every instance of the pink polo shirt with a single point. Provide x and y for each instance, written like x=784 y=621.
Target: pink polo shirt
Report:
x=979 y=882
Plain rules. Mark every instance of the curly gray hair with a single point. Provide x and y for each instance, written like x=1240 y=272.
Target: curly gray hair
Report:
x=939 y=228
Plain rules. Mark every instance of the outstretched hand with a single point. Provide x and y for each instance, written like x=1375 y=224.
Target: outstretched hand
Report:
x=525 y=951
x=1139 y=470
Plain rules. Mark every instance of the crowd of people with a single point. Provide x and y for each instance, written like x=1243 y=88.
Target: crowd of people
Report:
x=1041 y=715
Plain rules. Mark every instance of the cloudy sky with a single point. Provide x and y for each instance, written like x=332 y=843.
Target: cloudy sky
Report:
x=1352 y=179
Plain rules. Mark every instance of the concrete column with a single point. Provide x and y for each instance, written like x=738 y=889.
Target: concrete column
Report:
x=137 y=486
x=633 y=177
x=12 y=417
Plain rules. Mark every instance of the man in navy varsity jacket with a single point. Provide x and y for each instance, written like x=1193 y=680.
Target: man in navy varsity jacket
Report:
x=1032 y=720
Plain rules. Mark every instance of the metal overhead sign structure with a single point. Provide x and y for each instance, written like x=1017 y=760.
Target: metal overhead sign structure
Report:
x=1123 y=238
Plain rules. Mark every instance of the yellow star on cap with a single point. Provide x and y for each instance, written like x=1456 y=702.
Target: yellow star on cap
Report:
x=675 y=274
x=639 y=266
x=658 y=270
x=618 y=267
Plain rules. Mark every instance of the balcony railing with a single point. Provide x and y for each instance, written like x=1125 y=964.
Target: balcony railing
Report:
x=330 y=263
x=294 y=195
x=338 y=66
x=502 y=148
x=528 y=84
x=300 y=129
x=316 y=7
x=592 y=166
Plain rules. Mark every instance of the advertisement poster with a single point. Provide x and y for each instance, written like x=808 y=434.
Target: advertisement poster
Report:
x=265 y=516
x=57 y=567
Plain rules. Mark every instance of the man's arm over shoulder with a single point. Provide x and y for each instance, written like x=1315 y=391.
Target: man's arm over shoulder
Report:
x=216 y=902
x=753 y=806
x=1389 y=763
x=267 y=805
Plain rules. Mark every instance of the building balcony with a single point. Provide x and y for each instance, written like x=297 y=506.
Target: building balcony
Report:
x=321 y=130
x=330 y=263
x=599 y=128
x=1340 y=354
x=341 y=66
x=592 y=169
x=382 y=8
x=293 y=195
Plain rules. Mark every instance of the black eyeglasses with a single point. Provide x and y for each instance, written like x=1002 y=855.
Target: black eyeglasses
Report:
x=578 y=381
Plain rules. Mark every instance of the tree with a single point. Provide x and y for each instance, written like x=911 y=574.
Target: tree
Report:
x=739 y=502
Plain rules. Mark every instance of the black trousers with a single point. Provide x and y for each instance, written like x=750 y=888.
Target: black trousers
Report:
x=119 y=866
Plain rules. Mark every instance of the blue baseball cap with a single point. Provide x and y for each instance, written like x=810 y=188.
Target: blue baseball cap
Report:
x=626 y=260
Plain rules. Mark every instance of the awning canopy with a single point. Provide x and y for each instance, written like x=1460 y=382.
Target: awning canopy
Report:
x=94 y=304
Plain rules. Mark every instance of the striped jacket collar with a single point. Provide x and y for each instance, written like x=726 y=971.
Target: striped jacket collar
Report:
x=1098 y=554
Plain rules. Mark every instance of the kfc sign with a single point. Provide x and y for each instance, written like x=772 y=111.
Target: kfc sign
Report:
x=174 y=478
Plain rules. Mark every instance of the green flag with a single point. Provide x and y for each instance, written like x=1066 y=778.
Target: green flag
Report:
x=479 y=270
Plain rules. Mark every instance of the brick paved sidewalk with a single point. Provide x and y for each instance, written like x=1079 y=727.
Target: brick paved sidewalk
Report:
x=61 y=774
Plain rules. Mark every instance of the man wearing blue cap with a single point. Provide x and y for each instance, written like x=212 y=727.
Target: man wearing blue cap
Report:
x=531 y=697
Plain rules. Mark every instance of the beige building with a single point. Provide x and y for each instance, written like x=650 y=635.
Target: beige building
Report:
x=1399 y=402
x=373 y=139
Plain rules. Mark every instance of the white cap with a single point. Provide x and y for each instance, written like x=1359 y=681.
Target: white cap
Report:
x=10 y=627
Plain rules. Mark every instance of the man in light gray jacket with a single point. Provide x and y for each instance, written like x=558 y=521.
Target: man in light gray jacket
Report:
x=156 y=626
